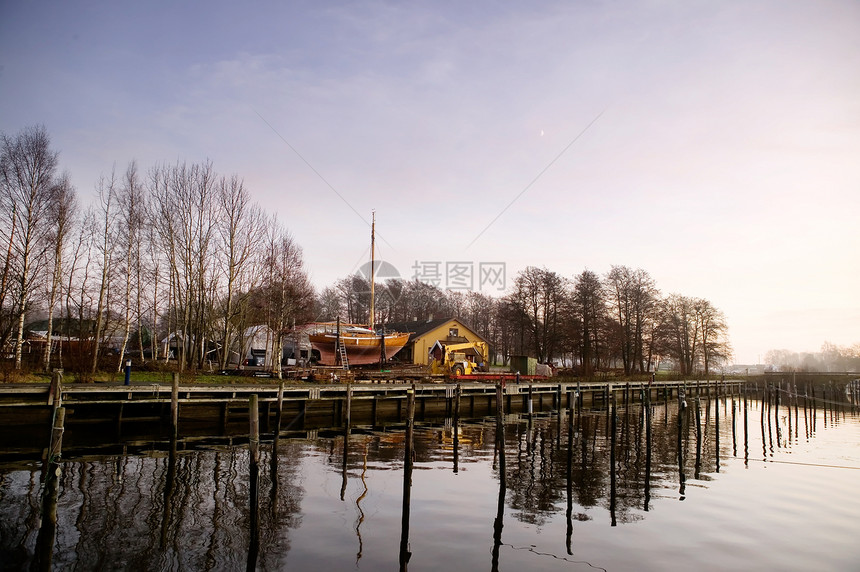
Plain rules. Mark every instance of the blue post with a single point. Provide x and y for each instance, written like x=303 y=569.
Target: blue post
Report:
x=128 y=372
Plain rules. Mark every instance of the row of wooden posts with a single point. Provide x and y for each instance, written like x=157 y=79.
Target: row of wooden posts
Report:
x=772 y=395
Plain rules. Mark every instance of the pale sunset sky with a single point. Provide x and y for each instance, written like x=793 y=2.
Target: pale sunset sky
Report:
x=714 y=144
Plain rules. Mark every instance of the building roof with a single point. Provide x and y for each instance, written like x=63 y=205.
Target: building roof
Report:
x=418 y=328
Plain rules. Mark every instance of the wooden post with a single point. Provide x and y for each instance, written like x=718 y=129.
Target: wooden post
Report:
x=44 y=550
x=280 y=408
x=746 y=428
x=498 y=522
x=55 y=391
x=405 y=554
x=530 y=403
x=174 y=404
x=254 y=421
x=647 y=447
x=55 y=449
x=119 y=420
x=348 y=417
x=698 y=464
x=734 y=428
x=345 y=457
x=612 y=480
x=569 y=480
x=717 y=428
x=254 y=450
x=682 y=406
x=456 y=428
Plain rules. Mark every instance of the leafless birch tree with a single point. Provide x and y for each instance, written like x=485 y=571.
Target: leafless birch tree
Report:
x=106 y=213
x=241 y=228
x=63 y=215
x=27 y=171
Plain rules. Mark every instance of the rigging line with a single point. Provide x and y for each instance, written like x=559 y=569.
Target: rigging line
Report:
x=807 y=464
x=815 y=399
x=539 y=175
x=318 y=174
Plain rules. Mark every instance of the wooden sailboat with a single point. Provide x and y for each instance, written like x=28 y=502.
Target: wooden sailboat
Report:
x=350 y=344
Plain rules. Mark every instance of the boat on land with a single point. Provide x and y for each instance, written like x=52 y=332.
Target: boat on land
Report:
x=361 y=345
x=350 y=344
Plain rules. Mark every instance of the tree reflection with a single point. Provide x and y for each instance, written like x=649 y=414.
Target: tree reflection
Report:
x=176 y=507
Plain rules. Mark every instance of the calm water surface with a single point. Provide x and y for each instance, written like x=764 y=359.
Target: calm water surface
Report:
x=781 y=495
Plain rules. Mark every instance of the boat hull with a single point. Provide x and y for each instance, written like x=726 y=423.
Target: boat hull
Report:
x=360 y=349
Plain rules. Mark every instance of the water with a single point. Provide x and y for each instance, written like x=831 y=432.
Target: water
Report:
x=776 y=497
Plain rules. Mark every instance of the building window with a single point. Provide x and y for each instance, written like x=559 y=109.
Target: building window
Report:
x=453 y=332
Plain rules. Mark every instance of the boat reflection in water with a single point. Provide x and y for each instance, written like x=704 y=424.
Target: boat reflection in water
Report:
x=535 y=492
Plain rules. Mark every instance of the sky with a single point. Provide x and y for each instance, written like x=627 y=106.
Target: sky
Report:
x=715 y=145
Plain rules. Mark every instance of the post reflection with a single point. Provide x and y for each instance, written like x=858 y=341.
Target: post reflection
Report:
x=648 y=444
x=499 y=520
x=550 y=466
x=405 y=553
x=682 y=409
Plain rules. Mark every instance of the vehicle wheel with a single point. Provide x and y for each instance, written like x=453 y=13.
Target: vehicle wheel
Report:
x=457 y=370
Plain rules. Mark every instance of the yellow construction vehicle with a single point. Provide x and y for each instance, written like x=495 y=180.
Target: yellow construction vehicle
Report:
x=457 y=359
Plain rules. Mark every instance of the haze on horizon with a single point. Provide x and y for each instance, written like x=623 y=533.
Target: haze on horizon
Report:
x=713 y=145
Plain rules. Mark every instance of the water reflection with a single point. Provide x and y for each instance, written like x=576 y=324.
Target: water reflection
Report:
x=176 y=506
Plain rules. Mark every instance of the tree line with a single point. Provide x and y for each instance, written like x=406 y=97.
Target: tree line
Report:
x=178 y=261
x=618 y=321
x=832 y=357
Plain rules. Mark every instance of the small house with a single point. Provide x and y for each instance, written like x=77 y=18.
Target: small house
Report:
x=424 y=336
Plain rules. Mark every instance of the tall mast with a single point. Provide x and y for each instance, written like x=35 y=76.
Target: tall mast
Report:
x=372 y=263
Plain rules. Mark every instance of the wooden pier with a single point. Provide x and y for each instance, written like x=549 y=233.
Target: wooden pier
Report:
x=34 y=403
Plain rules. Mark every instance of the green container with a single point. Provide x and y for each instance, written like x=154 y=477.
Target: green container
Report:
x=523 y=364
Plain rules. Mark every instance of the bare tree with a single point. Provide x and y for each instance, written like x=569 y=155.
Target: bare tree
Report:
x=540 y=294
x=712 y=331
x=241 y=228
x=632 y=294
x=329 y=305
x=287 y=291
x=107 y=215
x=510 y=327
x=27 y=171
x=64 y=211
x=130 y=218
x=678 y=331
x=78 y=299
x=185 y=210
x=589 y=308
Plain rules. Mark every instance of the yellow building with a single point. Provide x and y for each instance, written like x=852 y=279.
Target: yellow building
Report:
x=424 y=335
